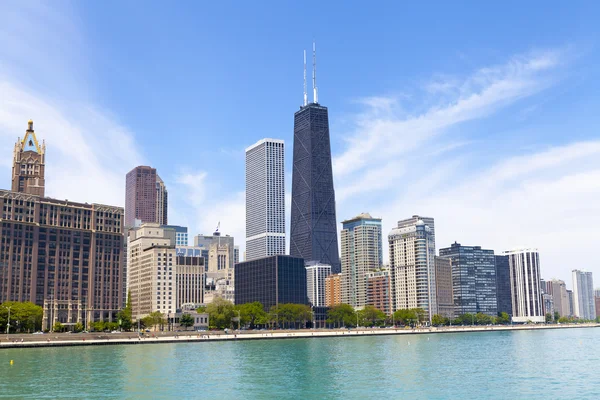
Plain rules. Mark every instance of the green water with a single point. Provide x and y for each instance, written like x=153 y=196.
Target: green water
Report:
x=548 y=364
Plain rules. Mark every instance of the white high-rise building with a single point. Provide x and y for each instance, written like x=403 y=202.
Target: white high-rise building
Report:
x=361 y=254
x=315 y=283
x=584 y=306
x=412 y=266
x=265 y=199
x=527 y=302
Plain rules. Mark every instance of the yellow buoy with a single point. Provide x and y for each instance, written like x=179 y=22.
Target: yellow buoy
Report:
x=11 y=362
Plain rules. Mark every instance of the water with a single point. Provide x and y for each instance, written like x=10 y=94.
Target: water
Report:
x=548 y=364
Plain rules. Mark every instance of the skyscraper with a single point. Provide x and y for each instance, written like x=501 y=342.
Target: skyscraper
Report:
x=315 y=283
x=146 y=197
x=443 y=286
x=584 y=306
x=473 y=279
x=28 y=172
x=361 y=253
x=560 y=298
x=503 y=287
x=313 y=228
x=525 y=285
x=265 y=199
x=412 y=267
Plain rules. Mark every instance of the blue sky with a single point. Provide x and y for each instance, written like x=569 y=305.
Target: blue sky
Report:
x=483 y=116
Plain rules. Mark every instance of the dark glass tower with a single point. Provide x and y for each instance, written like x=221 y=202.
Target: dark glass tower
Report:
x=313 y=228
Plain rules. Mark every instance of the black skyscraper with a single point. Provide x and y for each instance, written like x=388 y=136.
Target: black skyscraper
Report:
x=503 y=290
x=313 y=227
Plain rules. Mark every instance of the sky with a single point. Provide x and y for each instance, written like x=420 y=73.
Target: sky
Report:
x=483 y=116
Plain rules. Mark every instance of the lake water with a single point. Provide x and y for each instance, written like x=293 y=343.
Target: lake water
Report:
x=546 y=364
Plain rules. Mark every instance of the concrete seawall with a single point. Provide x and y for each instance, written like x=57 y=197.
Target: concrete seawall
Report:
x=60 y=340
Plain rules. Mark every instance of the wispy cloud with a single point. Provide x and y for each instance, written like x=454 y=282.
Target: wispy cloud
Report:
x=397 y=164
x=42 y=77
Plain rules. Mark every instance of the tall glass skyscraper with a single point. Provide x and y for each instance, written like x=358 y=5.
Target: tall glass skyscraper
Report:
x=583 y=295
x=473 y=279
x=265 y=199
x=313 y=233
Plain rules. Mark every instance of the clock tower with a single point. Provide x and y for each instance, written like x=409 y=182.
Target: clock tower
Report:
x=29 y=164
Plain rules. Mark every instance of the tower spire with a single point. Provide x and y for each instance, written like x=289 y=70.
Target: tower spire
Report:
x=305 y=95
x=315 y=91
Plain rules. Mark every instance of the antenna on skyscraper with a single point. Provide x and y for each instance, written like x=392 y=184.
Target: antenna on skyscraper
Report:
x=315 y=94
x=305 y=95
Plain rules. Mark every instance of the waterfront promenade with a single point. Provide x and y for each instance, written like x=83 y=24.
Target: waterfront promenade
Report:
x=132 y=338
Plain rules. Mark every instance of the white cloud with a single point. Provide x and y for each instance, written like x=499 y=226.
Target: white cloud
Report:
x=397 y=164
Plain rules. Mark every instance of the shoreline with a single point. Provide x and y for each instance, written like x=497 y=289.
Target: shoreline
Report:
x=65 y=340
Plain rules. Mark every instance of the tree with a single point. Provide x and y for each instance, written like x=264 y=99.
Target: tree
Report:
x=563 y=320
x=556 y=316
x=292 y=315
x=24 y=316
x=371 y=316
x=78 y=327
x=156 y=319
x=252 y=314
x=406 y=317
x=341 y=315
x=548 y=318
x=186 y=321
x=482 y=319
x=58 y=327
x=125 y=315
x=439 y=320
x=220 y=313
x=503 y=318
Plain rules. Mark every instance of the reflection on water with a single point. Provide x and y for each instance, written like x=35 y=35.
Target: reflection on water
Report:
x=521 y=364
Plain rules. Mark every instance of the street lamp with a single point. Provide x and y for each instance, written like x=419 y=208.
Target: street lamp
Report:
x=8 y=320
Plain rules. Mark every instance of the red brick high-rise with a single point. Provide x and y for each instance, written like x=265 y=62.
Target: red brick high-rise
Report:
x=145 y=197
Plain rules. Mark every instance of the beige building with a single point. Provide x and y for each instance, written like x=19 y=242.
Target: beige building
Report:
x=558 y=290
x=190 y=280
x=151 y=270
x=361 y=254
x=28 y=172
x=443 y=286
x=333 y=290
x=412 y=266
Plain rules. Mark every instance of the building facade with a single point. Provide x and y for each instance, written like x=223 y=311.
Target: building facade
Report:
x=503 y=286
x=333 y=290
x=584 y=306
x=571 y=303
x=271 y=281
x=525 y=285
x=558 y=290
x=443 y=286
x=361 y=253
x=145 y=197
x=473 y=279
x=315 y=283
x=29 y=164
x=190 y=280
x=61 y=251
x=265 y=199
x=151 y=270
x=313 y=226
x=379 y=290
x=412 y=267
x=181 y=234
x=162 y=202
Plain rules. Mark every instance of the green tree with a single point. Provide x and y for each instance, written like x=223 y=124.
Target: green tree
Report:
x=252 y=314
x=548 y=318
x=156 y=319
x=78 y=327
x=482 y=319
x=341 y=315
x=58 y=327
x=125 y=315
x=220 y=313
x=24 y=316
x=563 y=320
x=292 y=315
x=439 y=320
x=371 y=316
x=186 y=321
x=407 y=317
x=556 y=316
x=503 y=318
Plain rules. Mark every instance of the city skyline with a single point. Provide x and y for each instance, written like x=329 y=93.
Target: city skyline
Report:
x=523 y=85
